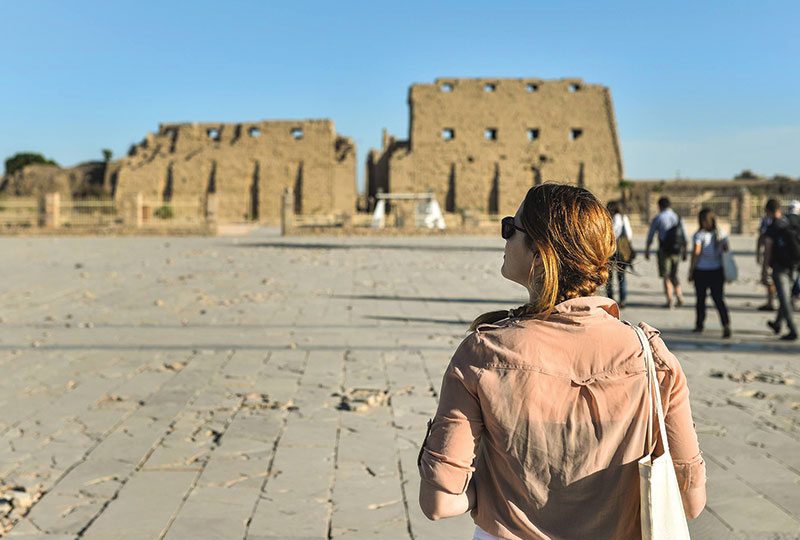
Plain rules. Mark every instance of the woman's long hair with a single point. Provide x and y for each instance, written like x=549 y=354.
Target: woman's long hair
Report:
x=573 y=234
x=708 y=222
x=707 y=219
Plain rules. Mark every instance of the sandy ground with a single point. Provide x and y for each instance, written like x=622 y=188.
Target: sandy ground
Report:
x=263 y=387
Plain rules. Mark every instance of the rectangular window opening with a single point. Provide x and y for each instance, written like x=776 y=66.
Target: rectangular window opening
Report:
x=297 y=133
x=575 y=133
x=254 y=132
x=531 y=87
x=574 y=87
x=490 y=87
x=213 y=134
x=533 y=134
x=448 y=134
x=490 y=134
x=447 y=87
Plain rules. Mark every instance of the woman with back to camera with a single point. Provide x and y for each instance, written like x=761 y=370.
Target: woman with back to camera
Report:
x=706 y=270
x=543 y=409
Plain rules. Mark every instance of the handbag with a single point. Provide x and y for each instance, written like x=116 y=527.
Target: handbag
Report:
x=729 y=267
x=662 y=514
x=625 y=251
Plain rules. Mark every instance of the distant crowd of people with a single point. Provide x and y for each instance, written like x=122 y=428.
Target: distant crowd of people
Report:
x=711 y=264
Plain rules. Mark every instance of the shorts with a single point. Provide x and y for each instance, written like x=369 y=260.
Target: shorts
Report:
x=668 y=266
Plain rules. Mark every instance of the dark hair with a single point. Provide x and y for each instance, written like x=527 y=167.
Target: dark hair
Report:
x=573 y=234
x=663 y=203
x=613 y=208
x=707 y=219
x=773 y=205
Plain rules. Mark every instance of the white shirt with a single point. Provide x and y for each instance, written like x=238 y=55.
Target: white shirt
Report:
x=710 y=257
x=480 y=534
x=621 y=223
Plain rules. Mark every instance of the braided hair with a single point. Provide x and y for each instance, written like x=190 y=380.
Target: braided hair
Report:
x=572 y=232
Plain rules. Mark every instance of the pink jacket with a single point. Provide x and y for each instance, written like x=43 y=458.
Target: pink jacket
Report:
x=549 y=418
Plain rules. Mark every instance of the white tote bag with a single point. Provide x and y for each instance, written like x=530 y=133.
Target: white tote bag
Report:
x=662 y=512
x=729 y=267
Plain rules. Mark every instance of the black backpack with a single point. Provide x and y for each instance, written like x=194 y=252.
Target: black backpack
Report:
x=674 y=240
x=787 y=244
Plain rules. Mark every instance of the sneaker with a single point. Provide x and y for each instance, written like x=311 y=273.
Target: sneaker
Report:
x=726 y=332
x=791 y=336
x=776 y=328
x=668 y=305
x=623 y=304
x=765 y=307
x=680 y=301
x=698 y=330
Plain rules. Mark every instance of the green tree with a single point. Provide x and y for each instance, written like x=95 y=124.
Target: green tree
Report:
x=107 y=154
x=21 y=159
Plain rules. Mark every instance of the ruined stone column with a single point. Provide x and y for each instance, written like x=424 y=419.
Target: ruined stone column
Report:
x=745 y=207
x=287 y=212
x=52 y=210
x=652 y=205
x=212 y=208
x=133 y=215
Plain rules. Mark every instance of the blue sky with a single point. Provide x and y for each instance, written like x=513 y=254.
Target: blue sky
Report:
x=701 y=89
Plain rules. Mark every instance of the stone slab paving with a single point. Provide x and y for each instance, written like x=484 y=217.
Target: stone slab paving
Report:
x=270 y=388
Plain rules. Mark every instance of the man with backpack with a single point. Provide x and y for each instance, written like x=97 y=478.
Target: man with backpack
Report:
x=672 y=245
x=781 y=257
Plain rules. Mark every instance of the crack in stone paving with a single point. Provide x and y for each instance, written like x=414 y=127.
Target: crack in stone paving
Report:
x=268 y=474
x=331 y=506
x=39 y=494
x=401 y=474
x=757 y=490
x=215 y=445
x=150 y=451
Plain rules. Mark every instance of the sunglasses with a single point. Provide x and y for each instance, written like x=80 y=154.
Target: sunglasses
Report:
x=507 y=227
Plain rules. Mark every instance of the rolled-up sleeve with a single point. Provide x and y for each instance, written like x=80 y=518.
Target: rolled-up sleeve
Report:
x=449 y=449
x=690 y=467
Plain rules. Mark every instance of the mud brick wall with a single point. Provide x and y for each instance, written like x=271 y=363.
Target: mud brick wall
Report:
x=247 y=165
x=481 y=143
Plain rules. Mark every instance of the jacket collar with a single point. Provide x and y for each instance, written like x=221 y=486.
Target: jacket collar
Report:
x=587 y=306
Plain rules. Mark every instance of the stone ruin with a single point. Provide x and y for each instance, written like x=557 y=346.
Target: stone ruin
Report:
x=480 y=144
x=477 y=144
x=37 y=179
x=246 y=165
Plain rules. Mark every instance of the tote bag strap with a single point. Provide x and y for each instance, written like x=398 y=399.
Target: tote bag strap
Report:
x=653 y=393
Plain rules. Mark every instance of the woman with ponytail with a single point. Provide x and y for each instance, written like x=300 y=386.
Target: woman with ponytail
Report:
x=706 y=270
x=543 y=412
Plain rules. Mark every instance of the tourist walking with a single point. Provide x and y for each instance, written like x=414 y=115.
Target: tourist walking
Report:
x=706 y=270
x=766 y=278
x=543 y=409
x=672 y=240
x=781 y=257
x=794 y=210
x=622 y=259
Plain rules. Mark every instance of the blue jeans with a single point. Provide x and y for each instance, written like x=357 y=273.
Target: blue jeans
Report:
x=623 y=290
x=783 y=278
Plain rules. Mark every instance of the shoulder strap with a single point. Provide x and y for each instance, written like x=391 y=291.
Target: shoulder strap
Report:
x=653 y=393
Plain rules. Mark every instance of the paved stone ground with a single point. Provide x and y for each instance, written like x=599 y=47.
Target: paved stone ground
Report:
x=264 y=387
